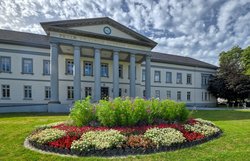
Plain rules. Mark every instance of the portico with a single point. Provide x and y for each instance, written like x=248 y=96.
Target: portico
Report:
x=97 y=54
x=99 y=39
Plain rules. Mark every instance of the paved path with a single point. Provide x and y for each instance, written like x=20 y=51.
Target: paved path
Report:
x=215 y=108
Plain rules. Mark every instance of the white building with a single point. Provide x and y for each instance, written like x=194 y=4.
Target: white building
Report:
x=97 y=57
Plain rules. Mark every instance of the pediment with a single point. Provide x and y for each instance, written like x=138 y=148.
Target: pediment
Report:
x=103 y=28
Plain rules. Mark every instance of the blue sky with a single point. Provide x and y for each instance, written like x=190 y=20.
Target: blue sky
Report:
x=197 y=28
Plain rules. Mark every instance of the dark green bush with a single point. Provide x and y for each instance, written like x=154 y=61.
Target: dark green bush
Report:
x=127 y=112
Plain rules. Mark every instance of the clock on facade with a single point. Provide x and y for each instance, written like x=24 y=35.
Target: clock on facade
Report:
x=107 y=30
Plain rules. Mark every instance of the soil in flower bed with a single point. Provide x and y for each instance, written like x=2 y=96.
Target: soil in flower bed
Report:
x=119 y=141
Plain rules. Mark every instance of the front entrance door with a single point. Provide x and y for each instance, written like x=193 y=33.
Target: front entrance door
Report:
x=105 y=93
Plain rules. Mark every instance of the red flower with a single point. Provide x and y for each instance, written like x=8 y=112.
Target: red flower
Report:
x=191 y=136
x=64 y=142
x=191 y=121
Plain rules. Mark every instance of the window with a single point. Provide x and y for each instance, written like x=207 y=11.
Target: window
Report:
x=70 y=92
x=88 y=69
x=88 y=91
x=157 y=76
x=5 y=91
x=157 y=93
x=27 y=66
x=129 y=72
x=144 y=93
x=46 y=67
x=27 y=92
x=120 y=71
x=168 y=77
x=47 y=92
x=120 y=92
x=69 y=67
x=104 y=70
x=178 y=95
x=209 y=96
x=206 y=96
x=188 y=96
x=204 y=79
x=5 y=64
x=168 y=94
x=179 y=78
x=143 y=75
x=189 y=79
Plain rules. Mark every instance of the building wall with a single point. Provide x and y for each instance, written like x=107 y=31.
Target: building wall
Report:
x=38 y=81
x=195 y=87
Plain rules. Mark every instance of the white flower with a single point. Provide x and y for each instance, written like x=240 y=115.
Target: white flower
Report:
x=164 y=136
x=47 y=135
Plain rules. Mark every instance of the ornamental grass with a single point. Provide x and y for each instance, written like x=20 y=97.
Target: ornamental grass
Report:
x=127 y=112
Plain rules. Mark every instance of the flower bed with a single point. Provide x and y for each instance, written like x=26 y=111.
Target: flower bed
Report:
x=115 y=141
x=123 y=126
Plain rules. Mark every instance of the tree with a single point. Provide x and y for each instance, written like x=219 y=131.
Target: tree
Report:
x=246 y=60
x=219 y=88
x=232 y=81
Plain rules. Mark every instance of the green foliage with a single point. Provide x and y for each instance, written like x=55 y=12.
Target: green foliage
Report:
x=83 y=112
x=246 y=60
x=127 y=112
x=106 y=114
x=232 y=82
x=174 y=111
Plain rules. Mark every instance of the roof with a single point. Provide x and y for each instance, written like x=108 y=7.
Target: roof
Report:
x=180 y=60
x=63 y=26
x=24 y=38
x=30 y=39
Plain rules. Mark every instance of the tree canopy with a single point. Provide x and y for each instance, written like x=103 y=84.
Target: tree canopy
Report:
x=232 y=81
x=246 y=60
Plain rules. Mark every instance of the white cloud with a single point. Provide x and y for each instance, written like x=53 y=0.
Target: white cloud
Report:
x=195 y=28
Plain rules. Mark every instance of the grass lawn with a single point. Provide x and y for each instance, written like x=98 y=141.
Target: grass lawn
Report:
x=233 y=145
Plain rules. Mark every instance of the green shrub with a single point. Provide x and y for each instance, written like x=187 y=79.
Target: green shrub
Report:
x=106 y=113
x=140 y=111
x=127 y=112
x=173 y=111
x=83 y=112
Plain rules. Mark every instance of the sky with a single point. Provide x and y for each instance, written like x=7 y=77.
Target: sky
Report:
x=200 y=29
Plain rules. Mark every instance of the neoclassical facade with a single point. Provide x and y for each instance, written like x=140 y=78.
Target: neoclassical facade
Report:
x=93 y=57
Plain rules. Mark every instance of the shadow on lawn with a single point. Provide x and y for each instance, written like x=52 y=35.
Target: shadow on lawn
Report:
x=223 y=115
x=30 y=114
x=208 y=115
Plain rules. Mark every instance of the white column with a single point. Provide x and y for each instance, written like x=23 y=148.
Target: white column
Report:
x=115 y=74
x=54 y=81
x=132 y=75
x=97 y=75
x=77 y=73
x=148 y=77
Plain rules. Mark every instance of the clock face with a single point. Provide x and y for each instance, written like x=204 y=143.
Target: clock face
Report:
x=107 y=30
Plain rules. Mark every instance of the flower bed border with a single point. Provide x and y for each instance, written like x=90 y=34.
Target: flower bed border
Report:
x=123 y=151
